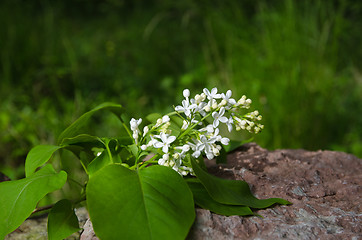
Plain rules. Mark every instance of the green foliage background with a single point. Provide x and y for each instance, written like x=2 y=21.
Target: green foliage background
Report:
x=299 y=61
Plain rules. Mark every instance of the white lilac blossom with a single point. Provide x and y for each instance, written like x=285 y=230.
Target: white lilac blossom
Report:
x=186 y=107
x=186 y=93
x=212 y=95
x=184 y=149
x=227 y=100
x=134 y=127
x=197 y=137
x=145 y=130
x=244 y=102
x=164 y=160
x=185 y=125
x=229 y=123
x=209 y=129
x=204 y=144
x=219 y=117
x=165 y=119
x=165 y=142
x=223 y=140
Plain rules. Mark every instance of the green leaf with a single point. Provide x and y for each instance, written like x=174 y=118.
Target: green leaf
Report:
x=37 y=156
x=203 y=199
x=83 y=146
x=133 y=149
x=222 y=158
x=82 y=139
x=125 y=140
x=127 y=156
x=154 y=203
x=74 y=128
x=98 y=163
x=232 y=192
x=19 y=198
x=152 y=117
x=235 y=144
x=62 y=221
x=114 y=150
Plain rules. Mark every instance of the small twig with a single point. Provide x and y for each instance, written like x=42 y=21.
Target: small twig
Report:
x=39 y=209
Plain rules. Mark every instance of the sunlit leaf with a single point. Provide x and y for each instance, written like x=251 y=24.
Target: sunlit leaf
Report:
x=154 y=203
x=62 y=221
x=74 y=128
x=81 y=139
x=19 y=198
x=37 y=156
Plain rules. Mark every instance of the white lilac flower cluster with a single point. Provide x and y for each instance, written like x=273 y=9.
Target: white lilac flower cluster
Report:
x=199 y=134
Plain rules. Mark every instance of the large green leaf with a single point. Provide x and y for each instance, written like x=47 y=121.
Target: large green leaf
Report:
x=98 y=163
x=222 y=158
x=232 y=192
x=62 y=221
x=19 y=198
x=37 y=157
x=203 y=199
x=74 y=128
x=153 y=203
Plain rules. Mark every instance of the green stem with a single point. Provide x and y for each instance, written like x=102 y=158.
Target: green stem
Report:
x=127 y=129
x=84 y=167
x=47 y=207
x=108 y=150
x=193 y=126
x=146 y=164
x=151 y=159
x=173 y=113
x=78 y=183
x=137 y=160
x=143 y=164
x=125 y=126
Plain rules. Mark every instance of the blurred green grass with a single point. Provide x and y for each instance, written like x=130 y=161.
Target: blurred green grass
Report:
x=298 y=60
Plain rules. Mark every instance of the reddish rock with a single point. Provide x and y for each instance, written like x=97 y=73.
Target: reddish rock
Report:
x=324 y=187
x=88 y=232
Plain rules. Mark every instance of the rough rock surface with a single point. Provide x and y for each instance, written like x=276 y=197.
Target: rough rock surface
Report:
x=36 y=228
x=324 y=187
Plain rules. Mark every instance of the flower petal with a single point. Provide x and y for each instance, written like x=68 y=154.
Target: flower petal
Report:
x=171 y=139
